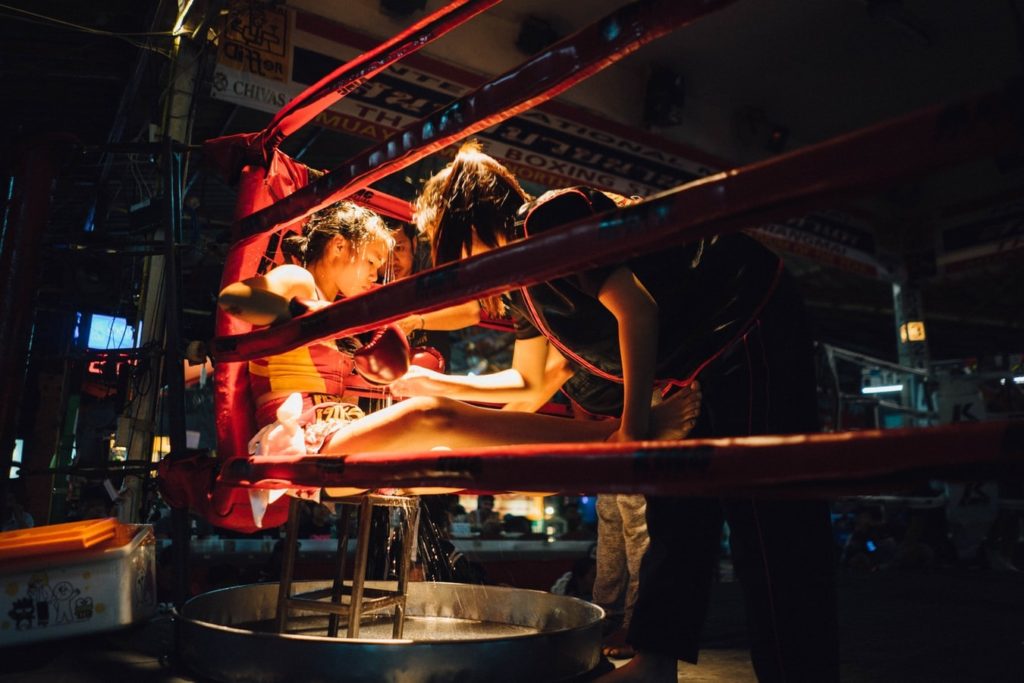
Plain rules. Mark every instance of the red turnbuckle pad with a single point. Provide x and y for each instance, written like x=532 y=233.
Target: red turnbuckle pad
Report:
x=385 y=357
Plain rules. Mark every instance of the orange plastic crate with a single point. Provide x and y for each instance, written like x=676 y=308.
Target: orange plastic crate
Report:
x=56 y=538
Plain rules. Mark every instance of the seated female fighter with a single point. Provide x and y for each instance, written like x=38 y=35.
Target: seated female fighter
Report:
x=340 y=250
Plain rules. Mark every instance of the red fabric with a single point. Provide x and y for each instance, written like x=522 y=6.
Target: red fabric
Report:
x=234 y=411
x=320 y=368
x=231 y=153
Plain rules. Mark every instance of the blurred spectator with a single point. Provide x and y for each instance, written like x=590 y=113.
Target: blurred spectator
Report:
x=317 y=521
x=484 y=519
x=14 y=515
x=576 y=527
x=456 y=512
x=517 y=524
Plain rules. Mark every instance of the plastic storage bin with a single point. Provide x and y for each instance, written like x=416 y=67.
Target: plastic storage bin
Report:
x=72 y=579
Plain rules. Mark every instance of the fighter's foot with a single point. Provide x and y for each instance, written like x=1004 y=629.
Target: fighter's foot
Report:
x=675 y=417
x=646 y=667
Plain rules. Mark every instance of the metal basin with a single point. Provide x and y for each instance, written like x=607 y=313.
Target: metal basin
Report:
x=454 y=633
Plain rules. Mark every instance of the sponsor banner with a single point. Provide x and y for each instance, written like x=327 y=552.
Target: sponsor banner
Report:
x=554 y=145
x=255 y=40
x=249 y=90
x=983 y=237
x=831 y=238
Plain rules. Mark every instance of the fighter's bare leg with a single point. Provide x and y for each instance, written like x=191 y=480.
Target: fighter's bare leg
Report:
x=422 y=423
x=425 y=422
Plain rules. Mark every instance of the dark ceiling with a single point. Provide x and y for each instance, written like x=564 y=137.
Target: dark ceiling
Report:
x=107 y=86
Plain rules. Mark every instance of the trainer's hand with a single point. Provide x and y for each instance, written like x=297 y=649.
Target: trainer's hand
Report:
x=410 y=323
x=420 y=381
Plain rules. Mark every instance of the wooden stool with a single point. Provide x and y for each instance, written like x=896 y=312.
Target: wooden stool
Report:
x=361 y=600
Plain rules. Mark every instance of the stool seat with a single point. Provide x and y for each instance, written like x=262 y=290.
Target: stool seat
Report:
x=361 y=600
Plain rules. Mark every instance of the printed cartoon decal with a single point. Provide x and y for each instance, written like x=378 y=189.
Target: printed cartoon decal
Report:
x=45 y=606
x=63 y=594
x=83 y=609
x=21 y=612
x=39 y=591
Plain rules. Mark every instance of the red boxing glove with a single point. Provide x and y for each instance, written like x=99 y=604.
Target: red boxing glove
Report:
x=385 y=357
x=427 y=357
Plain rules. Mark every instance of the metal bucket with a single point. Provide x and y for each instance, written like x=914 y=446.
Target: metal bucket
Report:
x=454 y=633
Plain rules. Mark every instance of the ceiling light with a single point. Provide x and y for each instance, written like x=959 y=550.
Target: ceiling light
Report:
x=884 y=389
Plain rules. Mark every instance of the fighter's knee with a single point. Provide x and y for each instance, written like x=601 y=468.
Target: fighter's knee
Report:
x=435 y=412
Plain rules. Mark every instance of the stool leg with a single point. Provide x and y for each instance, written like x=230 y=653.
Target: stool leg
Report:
x=359 y=570
x=291 y=540
x=338 y=589
x=412 y=516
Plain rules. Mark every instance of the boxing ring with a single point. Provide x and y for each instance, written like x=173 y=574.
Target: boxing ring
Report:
x=275 y=194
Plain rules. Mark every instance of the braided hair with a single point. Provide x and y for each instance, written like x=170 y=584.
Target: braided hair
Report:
x=355 y=223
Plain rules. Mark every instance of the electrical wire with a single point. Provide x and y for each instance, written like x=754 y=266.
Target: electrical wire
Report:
x=35 y=18
x=85 y=29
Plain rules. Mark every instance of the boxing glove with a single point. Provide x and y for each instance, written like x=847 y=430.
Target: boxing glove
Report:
x=427 y=357
x=298 y=306
x=384 y=358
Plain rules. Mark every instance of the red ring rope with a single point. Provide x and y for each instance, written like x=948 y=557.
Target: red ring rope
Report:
x=544 y=76
x=257 y=148
x=331 y=88
x=815 y=464
x=773 y=189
